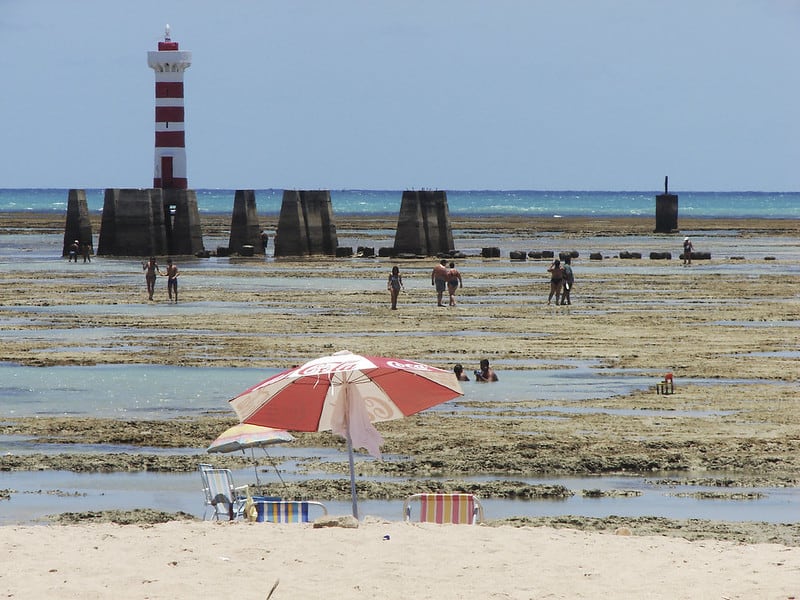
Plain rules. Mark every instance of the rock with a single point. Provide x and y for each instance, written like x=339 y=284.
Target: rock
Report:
x=365 y=252
x=345 y=521
x=517 y=255
x=490 y=252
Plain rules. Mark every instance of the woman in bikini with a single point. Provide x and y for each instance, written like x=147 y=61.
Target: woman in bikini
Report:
x=556 y=278
x=150 y=268
x=394 y=285
x=453 y=282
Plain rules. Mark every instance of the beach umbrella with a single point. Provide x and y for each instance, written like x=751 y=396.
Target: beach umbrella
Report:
x=346 y=393
x=243 y=436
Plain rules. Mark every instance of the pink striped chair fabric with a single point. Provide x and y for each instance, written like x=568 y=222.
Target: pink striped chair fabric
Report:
x=446 y=508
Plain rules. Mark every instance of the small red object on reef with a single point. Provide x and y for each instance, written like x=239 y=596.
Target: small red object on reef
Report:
x=668 y=377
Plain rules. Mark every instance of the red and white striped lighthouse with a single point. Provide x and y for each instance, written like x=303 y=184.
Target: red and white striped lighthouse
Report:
x=169 y=64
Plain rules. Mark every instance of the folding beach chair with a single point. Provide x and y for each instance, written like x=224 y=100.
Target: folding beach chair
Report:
x=221 y=495
x=445 y=508
x=287 y=511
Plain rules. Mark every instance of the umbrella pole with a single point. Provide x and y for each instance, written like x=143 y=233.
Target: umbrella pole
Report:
x=255 y=464
x=352 y=473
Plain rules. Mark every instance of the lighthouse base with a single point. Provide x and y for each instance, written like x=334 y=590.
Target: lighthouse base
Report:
x=150 y=222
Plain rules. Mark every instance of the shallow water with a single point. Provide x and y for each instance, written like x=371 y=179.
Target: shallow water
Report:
x=154 y=392
x=103 y=391
x=182 y=492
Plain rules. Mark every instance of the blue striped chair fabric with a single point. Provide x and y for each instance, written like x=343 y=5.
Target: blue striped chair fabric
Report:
x=221 y=495
x=287 y=511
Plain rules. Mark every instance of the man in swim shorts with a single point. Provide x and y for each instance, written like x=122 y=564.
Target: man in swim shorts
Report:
x=172 y=279
x=439 y=279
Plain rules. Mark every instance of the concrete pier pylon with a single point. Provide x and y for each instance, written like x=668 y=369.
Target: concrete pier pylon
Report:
x=150 y=222
x=245 y=230
x=182 y=221
x=132 y=223
x=78 y=226
x=423 y=226
x=305 y=225
x=666 y=210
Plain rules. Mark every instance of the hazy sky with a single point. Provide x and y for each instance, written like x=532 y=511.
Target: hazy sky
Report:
x=395 y=94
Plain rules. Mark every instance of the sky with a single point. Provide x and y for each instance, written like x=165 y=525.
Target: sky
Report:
x=409 y=94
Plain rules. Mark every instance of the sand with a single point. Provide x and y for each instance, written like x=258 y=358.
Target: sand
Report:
x=660 y=318
x=382 y=560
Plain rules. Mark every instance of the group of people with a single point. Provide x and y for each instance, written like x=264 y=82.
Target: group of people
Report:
x=442 y=276
x=150 y=268
x=483 y=375
x=561 y=281
x=76 y=248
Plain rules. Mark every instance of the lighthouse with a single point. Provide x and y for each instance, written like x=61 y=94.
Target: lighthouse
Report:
x=169 y=63
x=163 y=219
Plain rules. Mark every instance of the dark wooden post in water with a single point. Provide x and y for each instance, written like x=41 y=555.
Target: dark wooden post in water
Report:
x=423 y=226
x=245 y=233
x=78 y=226
x=305 y=225
x=666 y=210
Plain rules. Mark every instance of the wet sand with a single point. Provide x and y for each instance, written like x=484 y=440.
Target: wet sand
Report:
x=737 y=326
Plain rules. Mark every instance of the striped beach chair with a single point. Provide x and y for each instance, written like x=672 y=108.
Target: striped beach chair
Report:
x=221 y=495
x=445 y=508
x=287 y=511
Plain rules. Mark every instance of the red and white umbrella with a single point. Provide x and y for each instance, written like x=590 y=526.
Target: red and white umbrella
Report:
x=346 y=393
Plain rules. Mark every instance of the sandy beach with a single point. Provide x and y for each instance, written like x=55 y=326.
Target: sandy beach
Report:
x=383 y=560
x=724 y=327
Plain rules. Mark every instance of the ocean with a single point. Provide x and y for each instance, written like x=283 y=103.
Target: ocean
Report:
x=704 y=205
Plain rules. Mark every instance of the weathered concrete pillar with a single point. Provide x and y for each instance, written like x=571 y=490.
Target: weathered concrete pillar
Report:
x=666 y=210
x=322 y=238
x=305 y=224
x=423 y=226
x=132 y=223
x=78 y=226
x=244 y=223
x=182 y=221
x=146 y=222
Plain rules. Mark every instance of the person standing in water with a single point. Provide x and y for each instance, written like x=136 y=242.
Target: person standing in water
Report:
x=172 y=279
x=556 y=278
x=569 y=280
x=394 y=285
x=150 y=269
x=453 y=282
x=687 y=251
x=439 y=279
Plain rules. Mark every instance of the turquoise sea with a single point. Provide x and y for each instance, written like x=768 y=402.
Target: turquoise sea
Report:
x=768 y=205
